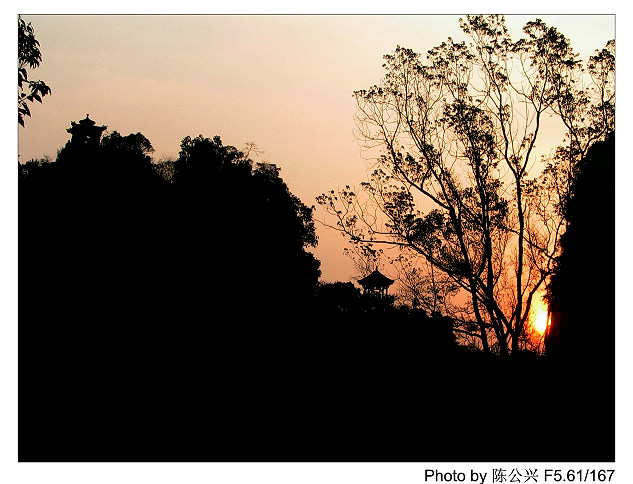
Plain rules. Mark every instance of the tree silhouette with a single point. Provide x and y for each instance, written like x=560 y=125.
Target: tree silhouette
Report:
x=580 y=340
x=242 y=223
x=339 y=296
x=580 y=330
x=173 y=295
x=29 y=55
x=453 y=183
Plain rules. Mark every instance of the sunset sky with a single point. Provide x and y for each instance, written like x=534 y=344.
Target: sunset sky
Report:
x=282 y=82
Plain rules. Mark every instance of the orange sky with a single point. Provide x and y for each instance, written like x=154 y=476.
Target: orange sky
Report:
x=113 y=73
x=282 y=82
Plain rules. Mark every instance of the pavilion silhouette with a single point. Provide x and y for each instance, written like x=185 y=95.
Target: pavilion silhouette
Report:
x=85 y=132
x=376 y=289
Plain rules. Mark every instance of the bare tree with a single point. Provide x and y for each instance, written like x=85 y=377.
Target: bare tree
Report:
x=452 y=183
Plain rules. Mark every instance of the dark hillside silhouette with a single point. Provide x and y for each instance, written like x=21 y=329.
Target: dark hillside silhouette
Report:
x=179 y=317
x=143 y=300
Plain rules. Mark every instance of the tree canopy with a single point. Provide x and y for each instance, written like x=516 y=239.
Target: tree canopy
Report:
x=216 y=231
x=457 y=182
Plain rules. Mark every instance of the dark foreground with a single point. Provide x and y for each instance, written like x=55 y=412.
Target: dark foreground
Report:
x=163 y=322
x=298 y=390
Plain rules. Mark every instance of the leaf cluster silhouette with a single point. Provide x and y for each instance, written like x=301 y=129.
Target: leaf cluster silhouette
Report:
x=29 y=55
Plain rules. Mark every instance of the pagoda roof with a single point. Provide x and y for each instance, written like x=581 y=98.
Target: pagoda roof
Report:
x=85 y=124
x=87 y=121
x=376 y=279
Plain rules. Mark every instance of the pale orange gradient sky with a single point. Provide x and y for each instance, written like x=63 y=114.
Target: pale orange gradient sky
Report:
x=282 y=82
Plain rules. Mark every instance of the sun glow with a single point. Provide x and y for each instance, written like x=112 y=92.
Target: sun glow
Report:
x=541 y=321
x=539 y=315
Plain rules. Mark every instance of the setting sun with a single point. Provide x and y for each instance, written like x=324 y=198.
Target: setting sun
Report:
x=539 y=316
x=540 y=321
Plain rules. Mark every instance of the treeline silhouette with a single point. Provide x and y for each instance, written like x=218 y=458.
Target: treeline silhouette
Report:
x=149 y=304
x=173 y=312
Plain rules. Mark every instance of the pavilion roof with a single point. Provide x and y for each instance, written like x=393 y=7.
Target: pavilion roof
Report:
x=376 y=279
x=87 y=121
x=84 y=125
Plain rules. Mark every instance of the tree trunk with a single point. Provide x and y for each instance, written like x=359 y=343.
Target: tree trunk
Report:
x=515 y=342
x=484 y=338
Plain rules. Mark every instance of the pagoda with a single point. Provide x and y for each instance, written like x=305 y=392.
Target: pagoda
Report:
x=85 y=132
x=376 y=284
